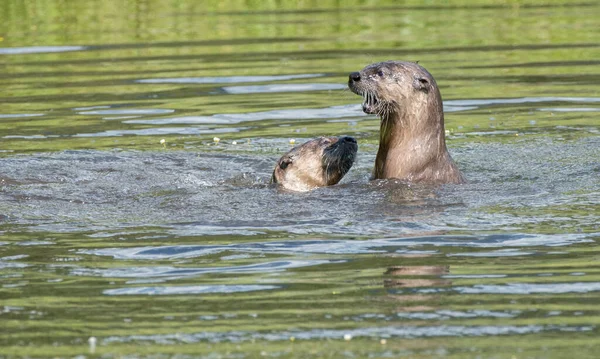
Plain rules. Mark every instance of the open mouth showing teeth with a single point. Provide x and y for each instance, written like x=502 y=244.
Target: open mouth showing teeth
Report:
x=369 y=104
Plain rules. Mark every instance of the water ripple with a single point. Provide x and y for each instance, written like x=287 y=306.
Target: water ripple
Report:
x=189 y=289
x=173 y=272
x=499 y=253
x=450 y=314
x=404 y=331
x=20 y=115
x=386 y=245
x=519 y=100
x=39 y=49
x=161 y=131
x=570 y=109
x=129 y=111
x=226 y=79
x=233 y=118
x=277 y=88
x=332 y=112
x=531 y=288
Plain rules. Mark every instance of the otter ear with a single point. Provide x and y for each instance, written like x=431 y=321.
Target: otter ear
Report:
x=283 y=163
x=421 y=84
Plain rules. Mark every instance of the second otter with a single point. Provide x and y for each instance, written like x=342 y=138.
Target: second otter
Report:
x=412 y=144
x=316 y=163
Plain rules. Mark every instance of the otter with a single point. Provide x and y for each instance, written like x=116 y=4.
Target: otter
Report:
x=412 y=144
x=316 y=163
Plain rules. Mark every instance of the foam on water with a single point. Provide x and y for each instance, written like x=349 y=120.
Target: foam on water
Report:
x=210 y=193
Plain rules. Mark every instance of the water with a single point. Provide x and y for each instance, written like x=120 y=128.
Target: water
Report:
x=115 y=244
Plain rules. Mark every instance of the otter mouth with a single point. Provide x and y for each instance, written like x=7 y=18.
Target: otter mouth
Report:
x=370 y=103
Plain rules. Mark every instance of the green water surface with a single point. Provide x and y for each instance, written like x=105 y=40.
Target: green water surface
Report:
x=55 y=291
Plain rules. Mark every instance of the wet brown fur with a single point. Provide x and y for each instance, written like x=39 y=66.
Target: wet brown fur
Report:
x=412 y=142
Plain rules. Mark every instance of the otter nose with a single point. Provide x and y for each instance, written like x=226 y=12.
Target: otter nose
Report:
x=355 y=76
x=348 y=139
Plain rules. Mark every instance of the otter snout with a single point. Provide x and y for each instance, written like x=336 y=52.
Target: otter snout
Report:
x=348 y=139
x=354 y=76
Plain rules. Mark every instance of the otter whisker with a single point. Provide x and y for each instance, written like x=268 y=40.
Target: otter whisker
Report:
x=327 y=171
x=327 y=163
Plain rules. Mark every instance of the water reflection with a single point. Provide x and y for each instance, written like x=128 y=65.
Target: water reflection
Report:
x=399 y=277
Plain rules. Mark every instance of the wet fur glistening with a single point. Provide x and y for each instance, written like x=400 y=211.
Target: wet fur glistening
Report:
x=412 y=143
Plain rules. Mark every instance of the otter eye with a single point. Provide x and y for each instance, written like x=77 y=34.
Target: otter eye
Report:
x=380 y=73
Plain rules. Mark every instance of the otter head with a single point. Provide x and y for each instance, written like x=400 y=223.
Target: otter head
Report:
x=316 y=163
x=394 y=88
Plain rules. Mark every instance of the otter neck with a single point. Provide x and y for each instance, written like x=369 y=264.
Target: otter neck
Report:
x=411 y=140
